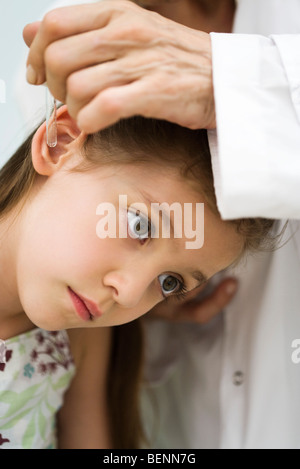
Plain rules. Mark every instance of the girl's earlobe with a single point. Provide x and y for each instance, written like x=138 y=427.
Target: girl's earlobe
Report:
x=47 y=160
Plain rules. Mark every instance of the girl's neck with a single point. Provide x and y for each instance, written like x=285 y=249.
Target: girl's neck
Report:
x=13 y=320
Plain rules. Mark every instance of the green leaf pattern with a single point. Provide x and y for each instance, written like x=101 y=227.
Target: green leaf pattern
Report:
x=32 y=386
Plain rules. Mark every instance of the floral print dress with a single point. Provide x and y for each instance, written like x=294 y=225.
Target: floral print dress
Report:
x=36 y=369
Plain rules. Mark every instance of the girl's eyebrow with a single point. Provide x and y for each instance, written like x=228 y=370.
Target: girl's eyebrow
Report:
x=151 y=201
x=196 y=274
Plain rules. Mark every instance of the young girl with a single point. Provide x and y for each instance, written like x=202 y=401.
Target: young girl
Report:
x=57 y=274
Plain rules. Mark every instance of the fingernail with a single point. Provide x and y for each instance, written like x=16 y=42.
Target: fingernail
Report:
x=231 y=288
x=31 y=75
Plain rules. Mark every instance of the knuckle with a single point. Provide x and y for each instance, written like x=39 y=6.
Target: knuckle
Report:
x=109 y=105
x=53 y=23
x=75 y=85
x=101 y=43
x=133 y=30
x=192 y=124
x=55 y=58
x=97 y=40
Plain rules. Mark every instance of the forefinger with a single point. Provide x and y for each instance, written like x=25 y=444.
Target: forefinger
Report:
x=61 y=23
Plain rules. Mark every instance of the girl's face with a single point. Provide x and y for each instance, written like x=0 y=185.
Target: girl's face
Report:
x=69 y=277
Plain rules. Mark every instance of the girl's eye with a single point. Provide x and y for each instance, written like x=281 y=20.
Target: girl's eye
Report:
x=139 y=226
x=170 y=284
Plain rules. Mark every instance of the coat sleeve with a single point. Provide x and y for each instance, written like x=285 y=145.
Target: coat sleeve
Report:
x=256 y=148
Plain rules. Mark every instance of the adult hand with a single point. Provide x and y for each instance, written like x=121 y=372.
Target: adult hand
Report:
x=195 y=310
x=113 y=59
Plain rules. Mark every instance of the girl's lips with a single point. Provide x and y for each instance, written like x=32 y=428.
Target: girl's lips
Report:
x=86 y=309
x=92 y=307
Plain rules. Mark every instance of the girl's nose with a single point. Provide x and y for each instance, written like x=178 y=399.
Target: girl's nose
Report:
x=129 y=287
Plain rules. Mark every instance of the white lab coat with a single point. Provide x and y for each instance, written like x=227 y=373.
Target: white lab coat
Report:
x=235 y=383
x=257 y=95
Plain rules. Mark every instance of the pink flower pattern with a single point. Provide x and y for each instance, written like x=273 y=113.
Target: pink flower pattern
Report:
x=52 y=347
x=8 y=355
x=3 y=440
x=38 y=368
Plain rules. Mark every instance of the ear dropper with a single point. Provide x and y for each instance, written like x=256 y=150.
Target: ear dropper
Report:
x=51 y=119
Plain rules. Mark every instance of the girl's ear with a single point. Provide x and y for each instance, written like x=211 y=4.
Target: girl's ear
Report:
x=46 y=160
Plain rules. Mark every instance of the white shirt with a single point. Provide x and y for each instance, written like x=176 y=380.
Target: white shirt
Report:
x=234 y=383
x=257 y=95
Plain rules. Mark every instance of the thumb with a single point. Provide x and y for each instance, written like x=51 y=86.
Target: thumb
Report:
x=30 y=31
x=204 y=310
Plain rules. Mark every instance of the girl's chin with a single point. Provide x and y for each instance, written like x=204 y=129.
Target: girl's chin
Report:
x=48 y=325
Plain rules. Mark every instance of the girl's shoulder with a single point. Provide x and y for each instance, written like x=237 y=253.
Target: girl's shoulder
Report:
x=36 y=346
x=36 y=370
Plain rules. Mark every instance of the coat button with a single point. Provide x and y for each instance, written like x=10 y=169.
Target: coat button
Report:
x=238 y=378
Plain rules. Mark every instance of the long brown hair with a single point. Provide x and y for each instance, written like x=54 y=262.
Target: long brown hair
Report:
x=136 y=140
